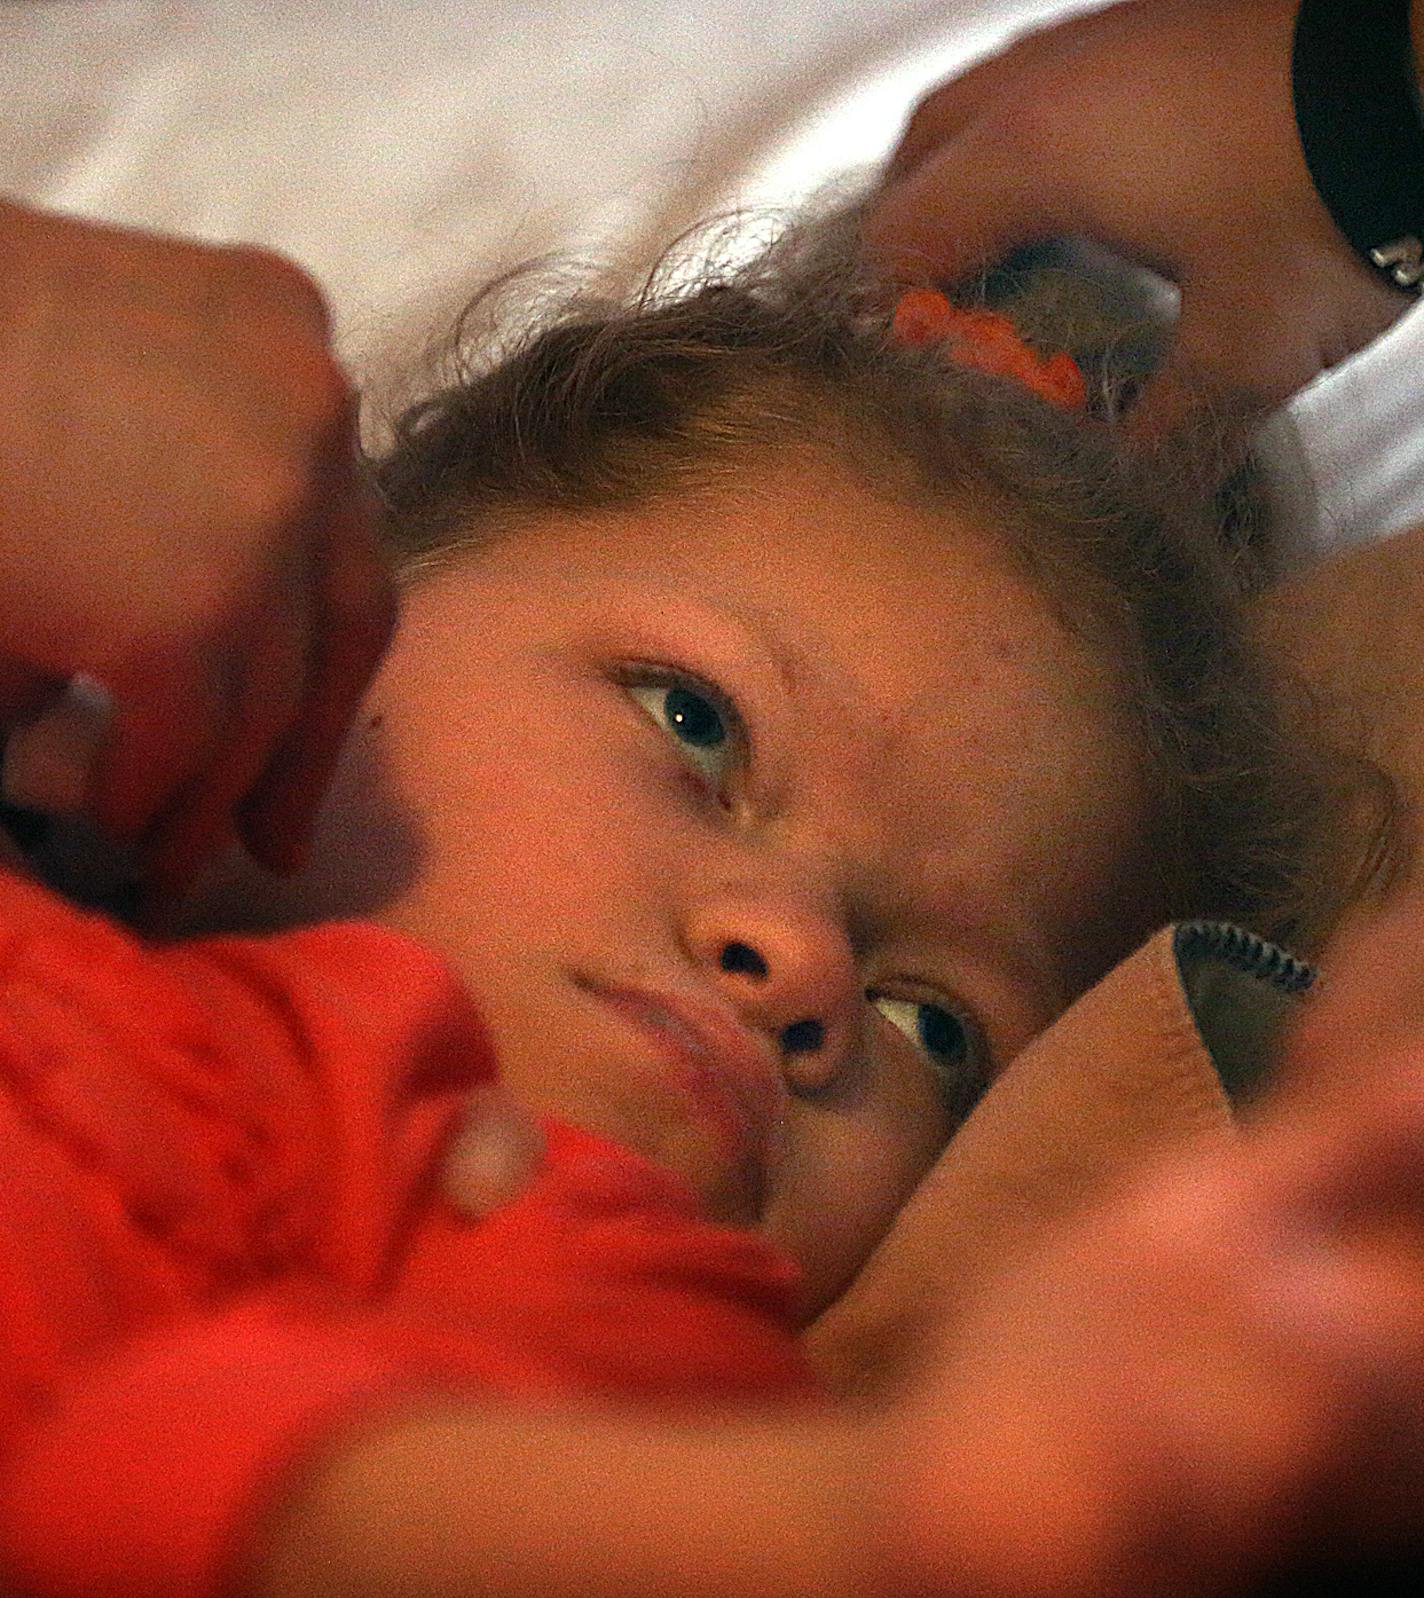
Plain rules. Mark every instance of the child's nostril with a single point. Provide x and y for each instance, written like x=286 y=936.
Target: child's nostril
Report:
x=803 y=1037
x=741 y=957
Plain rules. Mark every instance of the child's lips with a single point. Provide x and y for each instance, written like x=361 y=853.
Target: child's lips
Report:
x=733 y=1080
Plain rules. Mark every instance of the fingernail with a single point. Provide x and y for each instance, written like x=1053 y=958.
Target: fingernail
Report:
x=493 y=1156
x=49 y=762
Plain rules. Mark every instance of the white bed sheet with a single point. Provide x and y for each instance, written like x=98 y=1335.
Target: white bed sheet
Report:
x=403 y=150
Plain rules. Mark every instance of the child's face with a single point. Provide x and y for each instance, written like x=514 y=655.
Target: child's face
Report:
x=761 y=827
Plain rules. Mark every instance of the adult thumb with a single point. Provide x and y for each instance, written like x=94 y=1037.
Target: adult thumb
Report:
x=1164 y=408
x=957 y=212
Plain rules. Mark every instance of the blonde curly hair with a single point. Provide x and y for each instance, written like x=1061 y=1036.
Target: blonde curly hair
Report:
x=555 y=399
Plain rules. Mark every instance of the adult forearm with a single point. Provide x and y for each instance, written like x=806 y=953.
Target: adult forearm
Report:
x=520 y=1504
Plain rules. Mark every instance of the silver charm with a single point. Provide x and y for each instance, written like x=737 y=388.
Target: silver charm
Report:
x=1403 y=259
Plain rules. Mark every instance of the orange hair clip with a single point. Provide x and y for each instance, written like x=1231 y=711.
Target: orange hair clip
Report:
x=987 y=341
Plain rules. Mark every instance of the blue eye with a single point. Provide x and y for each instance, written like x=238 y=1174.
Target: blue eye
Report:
x=694 y=719
x=704 y=728
x=930 y=1027
x=949 y=1042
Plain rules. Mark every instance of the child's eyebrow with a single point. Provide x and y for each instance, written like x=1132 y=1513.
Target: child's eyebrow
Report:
x=795 y=665
x=1021 y=964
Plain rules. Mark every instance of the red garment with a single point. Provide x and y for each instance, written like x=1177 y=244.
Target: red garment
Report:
x=222 y=1237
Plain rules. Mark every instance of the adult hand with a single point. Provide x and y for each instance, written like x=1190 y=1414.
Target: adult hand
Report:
x=1218 y=1376
x=182 y=519
x=1164 y=130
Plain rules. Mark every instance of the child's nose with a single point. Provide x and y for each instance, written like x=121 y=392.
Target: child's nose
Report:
x=788 y=969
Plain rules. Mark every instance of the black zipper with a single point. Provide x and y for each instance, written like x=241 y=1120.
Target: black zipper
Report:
x=1245 y=952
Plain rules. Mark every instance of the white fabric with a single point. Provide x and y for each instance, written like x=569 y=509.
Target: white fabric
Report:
x=403 y=150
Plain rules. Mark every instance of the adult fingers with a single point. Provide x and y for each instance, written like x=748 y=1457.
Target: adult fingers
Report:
x=494 y=1154
x=1348 y=1155
x=170 y=704
x=1228 y=360
x=268 y=675
x=1243 y=346
x=1369 y=1007
x=354 y=616
x=175 y=681
x=961 y=208
x=25 y=691
x=263 y=280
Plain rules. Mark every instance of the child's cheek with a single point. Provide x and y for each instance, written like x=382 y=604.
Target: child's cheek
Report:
x=693 y=789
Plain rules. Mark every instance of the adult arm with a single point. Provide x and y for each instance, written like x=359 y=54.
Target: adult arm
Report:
x=1165 y=130
x=1141 y=1407
x=1216 y=1376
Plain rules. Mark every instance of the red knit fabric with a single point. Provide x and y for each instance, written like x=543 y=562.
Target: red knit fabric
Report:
x=223 y=1240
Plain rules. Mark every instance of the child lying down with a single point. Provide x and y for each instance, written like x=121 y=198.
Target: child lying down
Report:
x=797 y=703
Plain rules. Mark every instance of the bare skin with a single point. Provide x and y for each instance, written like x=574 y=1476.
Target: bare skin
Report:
x=1350 y=628
x=1112 y=125
x=1217 y=1376
x=182 y=518
x=1262 y=1309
